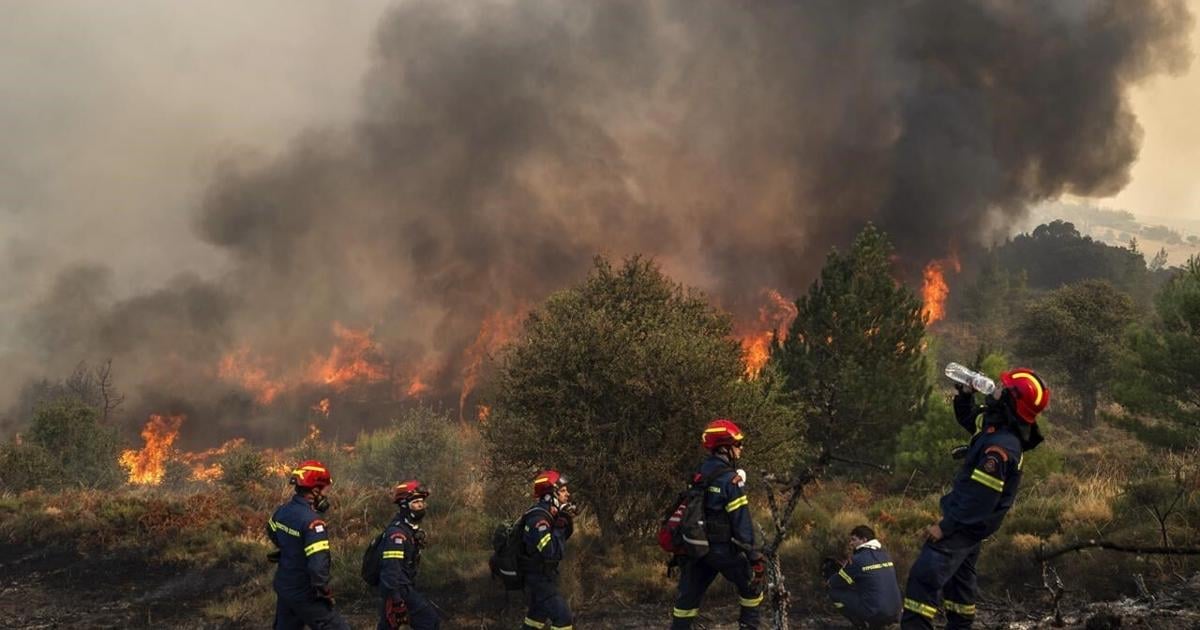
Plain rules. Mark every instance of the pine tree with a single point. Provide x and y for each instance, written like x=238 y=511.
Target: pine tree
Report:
x=854 y=355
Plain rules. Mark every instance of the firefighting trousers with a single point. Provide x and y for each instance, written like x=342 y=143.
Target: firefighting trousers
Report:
x=421 y=614
x=297 y=613
x=548 y=609
x=697 y=575
x=942 y=577
x=850 y=604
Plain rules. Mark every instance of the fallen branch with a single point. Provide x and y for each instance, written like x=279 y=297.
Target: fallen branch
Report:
x=859 y=462
x=1043 y=555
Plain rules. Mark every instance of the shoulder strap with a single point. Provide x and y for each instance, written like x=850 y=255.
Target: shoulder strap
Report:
x=707 y=479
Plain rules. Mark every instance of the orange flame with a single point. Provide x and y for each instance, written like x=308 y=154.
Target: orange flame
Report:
x=416 y=388
x=494 y=332
x=774 y=319
x=934 y=289
x=202 y=470
x=355 y=357
x=483 y=412
x=251 y=373
x=147 y=466
x=322 y=407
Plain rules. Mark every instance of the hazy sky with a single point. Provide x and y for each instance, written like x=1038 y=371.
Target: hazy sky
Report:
x=1165 y=181
x=113 y=115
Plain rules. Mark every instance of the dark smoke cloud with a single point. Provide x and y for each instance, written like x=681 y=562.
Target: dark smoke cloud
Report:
x=500 y=146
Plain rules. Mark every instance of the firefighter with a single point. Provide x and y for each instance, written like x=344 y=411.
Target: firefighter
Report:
x=401 y=547
x=865 y=589
x=984 y=489
x=730 y=533
x=547 y=526
x=302 y=542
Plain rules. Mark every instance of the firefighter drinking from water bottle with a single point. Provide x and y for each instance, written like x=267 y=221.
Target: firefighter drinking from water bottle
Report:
x=1003 y=430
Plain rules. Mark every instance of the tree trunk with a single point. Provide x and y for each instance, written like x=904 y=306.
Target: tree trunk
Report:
x=780 y=599
x=1088 y=402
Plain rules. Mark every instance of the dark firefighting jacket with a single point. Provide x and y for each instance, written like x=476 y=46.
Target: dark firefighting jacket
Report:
x=726 y=506
x=544 y=543
x=986 y=486
x=303 y=542
x=401 y=549
x=867 y=584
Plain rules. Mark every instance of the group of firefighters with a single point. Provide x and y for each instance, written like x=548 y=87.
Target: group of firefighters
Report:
x=863 y=587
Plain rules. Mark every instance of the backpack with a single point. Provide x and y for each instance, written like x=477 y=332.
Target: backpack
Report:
x=508 y=545
x=682 y=532
x=371 y=559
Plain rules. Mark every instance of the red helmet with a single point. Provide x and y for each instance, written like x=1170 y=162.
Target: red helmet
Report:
x=1030 y=392
x=408 y=490
x=547 y=482
x=311 y=474
x=721 y=432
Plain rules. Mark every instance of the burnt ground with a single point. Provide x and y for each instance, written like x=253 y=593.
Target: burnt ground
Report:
x=61 y=588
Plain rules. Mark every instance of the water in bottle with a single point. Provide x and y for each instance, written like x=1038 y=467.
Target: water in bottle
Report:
x=961 y=374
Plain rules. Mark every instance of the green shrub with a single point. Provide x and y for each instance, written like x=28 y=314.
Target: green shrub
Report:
x=26 y=466
x=421 y=444
x=243 y=467
x=923 y=448
x=77 y=451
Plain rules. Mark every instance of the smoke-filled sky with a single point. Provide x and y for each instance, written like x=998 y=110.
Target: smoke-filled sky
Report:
x=183 y=181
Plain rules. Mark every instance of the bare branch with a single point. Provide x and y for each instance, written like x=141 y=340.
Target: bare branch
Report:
x=1044 y=555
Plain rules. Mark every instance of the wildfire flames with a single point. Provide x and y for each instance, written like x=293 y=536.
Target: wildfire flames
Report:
x=355 y=358
x=148 y=465
x=495 y=331
x=934 y=289
x=251 y=373
x=774 y=319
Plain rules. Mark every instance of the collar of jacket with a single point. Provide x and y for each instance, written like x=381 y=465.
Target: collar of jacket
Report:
x=870 y=544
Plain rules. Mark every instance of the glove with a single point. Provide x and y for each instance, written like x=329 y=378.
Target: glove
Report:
x=758 y=570
x=396 y=612
x=964 y=389
x=421 y=538
x=569 y=509
x=829 y=567
x=960 y=451
x=565 y=523
x=323 y=592
x=273 y=556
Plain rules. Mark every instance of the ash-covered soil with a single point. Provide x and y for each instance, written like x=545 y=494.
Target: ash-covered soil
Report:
x=59 y=588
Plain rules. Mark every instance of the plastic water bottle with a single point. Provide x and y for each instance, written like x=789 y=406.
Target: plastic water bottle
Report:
x=980 y=383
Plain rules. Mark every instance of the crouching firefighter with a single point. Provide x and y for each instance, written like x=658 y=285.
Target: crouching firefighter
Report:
x=545 y=529
x=299 y=534
x=865 y=589
x=984 y=490
x=730 y=534
x=400 y=549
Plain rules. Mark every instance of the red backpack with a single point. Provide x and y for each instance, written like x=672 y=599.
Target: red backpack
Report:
x=682 y=530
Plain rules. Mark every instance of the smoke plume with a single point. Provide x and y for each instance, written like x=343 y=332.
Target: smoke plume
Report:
x=499 y=146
